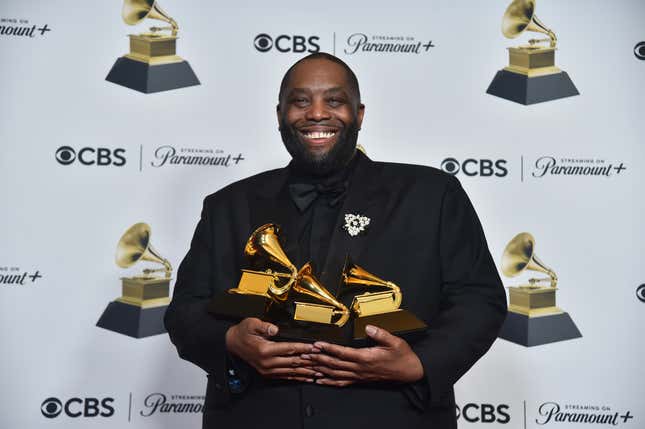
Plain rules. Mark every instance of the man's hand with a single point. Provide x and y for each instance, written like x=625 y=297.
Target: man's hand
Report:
x=249 y=341
x=391 y=360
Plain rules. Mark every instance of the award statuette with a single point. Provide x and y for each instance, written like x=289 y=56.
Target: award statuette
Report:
x=531 y=76
x=533 y=317
x=293 y=299
x=378 y=308
x=139 y=311
x=152 y=64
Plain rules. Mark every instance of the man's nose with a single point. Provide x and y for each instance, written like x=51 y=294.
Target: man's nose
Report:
x=317 y=111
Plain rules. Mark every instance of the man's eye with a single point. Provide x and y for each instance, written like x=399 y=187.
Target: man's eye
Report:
x=299 y=101
x=335 y=101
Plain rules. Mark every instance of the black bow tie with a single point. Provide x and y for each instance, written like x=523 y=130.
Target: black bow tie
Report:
x=304 y=194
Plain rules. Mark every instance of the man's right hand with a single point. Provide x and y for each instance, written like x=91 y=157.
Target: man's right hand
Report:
x=249 y=340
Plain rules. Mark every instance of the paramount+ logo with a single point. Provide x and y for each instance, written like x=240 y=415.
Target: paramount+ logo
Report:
x=91 y=156
x=484 y=413
x=77 y=407
x=475 y=167
x=287 y=43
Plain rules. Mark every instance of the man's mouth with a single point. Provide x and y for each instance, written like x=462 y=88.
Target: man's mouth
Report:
x=318 y=137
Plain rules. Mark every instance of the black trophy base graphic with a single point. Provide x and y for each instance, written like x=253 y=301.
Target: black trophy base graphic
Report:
x=234 y=306
x=148 y=78
x=531 y=90
x=293 y=332
x=534 y=331
x=401 y=323
x=133 y=321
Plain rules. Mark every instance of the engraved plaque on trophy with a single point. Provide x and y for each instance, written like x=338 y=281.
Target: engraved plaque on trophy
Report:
x=533 y=317
x=140 y=309
x=531 y=76
x=152 y=64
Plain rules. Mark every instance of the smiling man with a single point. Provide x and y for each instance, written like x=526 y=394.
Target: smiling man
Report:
x=423 y=234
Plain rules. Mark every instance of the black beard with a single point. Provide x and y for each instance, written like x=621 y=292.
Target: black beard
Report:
x=334 y=160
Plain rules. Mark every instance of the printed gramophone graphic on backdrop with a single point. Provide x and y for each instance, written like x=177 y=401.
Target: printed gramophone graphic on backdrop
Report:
x=152 y=64
x=533 y=317
x=531 y=76
x=140 y=310
x=303 y=308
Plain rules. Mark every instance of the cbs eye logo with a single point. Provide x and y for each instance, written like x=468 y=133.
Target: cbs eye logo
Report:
x=286 y=43
x=475 y=167
x=100 y=156
x=51 y=407
x=639 y=50
x=640 y=293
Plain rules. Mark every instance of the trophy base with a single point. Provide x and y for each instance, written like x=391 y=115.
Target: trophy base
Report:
x=312 y=332
x=234 y=306
x=132 y=320
x=527 y=90
x=148 y=78
x=534 y=331
x=401 y=323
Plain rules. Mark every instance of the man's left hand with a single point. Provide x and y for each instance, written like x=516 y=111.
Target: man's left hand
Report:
x=391 y=359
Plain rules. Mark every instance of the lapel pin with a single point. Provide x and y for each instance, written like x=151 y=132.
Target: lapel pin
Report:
x=355 y=224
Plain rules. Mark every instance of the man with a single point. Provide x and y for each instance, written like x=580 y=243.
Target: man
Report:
x=423 y=234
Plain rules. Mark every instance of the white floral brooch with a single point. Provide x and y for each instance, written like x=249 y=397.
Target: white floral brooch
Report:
x=355 y=224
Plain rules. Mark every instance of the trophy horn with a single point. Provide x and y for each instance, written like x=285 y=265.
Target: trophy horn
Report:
x=353 y=275
x=519 y=256
x=265 y=242
x=308 y=285
x=135 y=11
x=520 y=17
x=134 y=246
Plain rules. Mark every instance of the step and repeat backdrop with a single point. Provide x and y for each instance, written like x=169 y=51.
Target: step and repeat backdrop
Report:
x=550 y=144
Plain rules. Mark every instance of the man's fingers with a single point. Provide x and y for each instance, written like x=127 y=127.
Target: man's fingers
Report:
x=256 y=326
x=337 y=374
x=289 y=349
x=286 y=362
x=336 y=383
x=341 y=352
x=331 y=362
x=382 y=336
x=290 y=372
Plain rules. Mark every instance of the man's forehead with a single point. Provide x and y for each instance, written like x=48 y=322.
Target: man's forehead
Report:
x=319 y=73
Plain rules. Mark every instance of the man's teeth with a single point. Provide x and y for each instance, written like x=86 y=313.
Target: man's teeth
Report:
x=319 y=134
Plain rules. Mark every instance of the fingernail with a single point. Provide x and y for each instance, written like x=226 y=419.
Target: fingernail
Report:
x=319 y=345
x=315 y=350
x=310 y=380
x=272 y=330
x=305 y=357
x=319 y=374
x=370 y=330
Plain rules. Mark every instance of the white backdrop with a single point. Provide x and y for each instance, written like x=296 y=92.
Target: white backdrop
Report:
x=63 y=221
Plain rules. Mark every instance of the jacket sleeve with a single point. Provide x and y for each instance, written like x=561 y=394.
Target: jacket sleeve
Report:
x=473 y=303
x=198 y=336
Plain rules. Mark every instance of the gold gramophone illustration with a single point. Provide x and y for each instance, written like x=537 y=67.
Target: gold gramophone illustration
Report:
x=380 y=308
x=152 y=65
x=140 y=309
x=531 y=76
x=280 y=294
x=533 y=317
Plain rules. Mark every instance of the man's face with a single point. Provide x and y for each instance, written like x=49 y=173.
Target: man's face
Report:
x=319 y=117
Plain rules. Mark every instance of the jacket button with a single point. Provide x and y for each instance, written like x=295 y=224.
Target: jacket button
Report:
x=309 y=410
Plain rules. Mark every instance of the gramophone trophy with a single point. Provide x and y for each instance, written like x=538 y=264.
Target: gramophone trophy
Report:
x=152 y=64
x=293 y=299
x=533 y=317
x=379 y=308
x=140 y=309
x=531 y=76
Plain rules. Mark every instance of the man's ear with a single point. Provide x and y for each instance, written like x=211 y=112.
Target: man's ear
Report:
x=277 y=113
x=360 y=114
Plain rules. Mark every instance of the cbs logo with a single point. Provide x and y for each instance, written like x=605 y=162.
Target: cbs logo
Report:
x=77 y=407
x=475 y=167
x=640 y=293
x=639 y=50
x=101 y=156
x=484 y=413
x=285 y=43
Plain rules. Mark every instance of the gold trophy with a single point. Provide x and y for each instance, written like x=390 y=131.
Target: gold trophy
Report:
x=531 y=76
x=140 y=309
x=152 y=64
x=281 y=293
x=533 y=316
x=379 y=308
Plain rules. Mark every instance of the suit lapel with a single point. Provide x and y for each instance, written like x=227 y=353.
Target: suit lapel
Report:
x=367 y=196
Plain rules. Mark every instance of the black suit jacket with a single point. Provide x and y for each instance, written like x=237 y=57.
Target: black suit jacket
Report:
x=424 y=235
